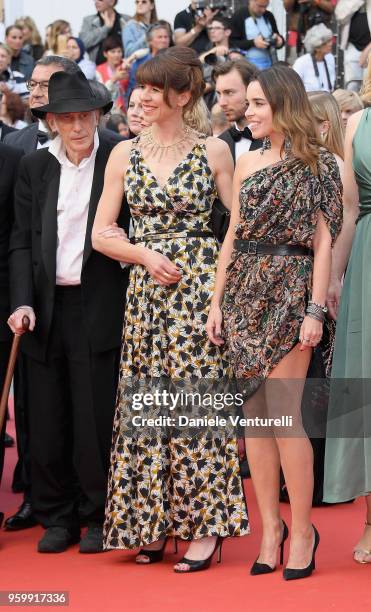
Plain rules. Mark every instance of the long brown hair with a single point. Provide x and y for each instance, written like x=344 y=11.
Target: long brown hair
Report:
x=31 y=25
x=57 y=27
x=177 y=68
x=325 y=108
x=292 y=114
x=153 y=18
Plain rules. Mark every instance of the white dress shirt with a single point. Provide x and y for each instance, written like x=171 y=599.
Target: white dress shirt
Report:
x=242 y=146
x=305 y=69
x=72 y=211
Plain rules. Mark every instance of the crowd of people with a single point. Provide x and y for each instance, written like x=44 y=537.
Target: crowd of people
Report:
x=111 y=46
x=180 y=205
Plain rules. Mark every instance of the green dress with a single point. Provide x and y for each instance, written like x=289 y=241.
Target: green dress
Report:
x=348 y=445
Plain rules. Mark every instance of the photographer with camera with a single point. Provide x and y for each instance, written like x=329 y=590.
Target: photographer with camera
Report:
x=190 y=25
x=317 y=67
x=303 y=15
x=255 y=30
x=218 y=32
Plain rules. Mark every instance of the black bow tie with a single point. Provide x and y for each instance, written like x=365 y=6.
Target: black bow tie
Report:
x=42 y=137
x=238 y=134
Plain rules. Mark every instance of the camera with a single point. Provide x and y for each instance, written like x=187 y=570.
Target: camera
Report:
x=271 y=41
x=214 y=5
x=212 y=59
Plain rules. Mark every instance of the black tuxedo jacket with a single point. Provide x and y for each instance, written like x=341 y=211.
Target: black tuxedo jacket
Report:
x=33 y=247
x=5 y=130
x=26 y=138
x=9 y=162
x=226 y=136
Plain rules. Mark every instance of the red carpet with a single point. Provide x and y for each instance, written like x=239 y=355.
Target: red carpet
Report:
x=111 y=581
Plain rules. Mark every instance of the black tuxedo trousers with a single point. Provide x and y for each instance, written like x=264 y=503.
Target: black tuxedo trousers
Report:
x=71 y=400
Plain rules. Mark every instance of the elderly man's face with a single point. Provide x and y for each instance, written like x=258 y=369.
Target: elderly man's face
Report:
x=75 y=129
x=38 y=84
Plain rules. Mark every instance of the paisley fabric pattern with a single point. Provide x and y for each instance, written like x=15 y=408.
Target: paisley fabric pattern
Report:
x=160 y=485
x=266 y=296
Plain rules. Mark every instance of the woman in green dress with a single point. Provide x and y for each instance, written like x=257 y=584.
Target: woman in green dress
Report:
x=348 y=446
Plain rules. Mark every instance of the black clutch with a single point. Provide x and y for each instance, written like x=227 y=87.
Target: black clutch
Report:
x=220 y=218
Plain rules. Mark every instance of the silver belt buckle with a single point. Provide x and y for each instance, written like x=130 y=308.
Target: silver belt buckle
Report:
x=252 y=247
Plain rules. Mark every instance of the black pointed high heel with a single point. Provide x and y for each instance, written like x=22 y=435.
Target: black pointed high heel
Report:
x=293 y=574
x=203 y=564
x=154 y=556
x=263 y=568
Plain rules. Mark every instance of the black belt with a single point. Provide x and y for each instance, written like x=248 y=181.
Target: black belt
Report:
x=251 y=247
x=171 y=236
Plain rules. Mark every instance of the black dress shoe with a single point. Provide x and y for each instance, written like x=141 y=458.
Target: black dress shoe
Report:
x=8 y=441
x=57 y=539
x=92 y=542
x=22 y=519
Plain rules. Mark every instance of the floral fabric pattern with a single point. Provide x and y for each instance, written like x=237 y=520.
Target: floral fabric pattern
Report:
x=159 y=485
x=266 y=296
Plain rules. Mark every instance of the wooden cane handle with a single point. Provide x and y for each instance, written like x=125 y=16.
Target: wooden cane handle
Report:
x=10 y=371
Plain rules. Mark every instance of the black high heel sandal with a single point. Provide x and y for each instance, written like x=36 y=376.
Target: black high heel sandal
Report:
x=203 y=564
x=263 y=568
x=154 y=556
x=293 y=574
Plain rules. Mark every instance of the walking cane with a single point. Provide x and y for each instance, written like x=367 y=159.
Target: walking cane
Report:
x=10 y=371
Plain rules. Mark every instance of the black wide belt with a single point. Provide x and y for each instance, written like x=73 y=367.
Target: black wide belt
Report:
x=251 y=247
x=171 y=236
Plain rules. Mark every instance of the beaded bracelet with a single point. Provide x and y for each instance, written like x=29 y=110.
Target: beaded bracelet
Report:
x=315 y=312
x=321 y=306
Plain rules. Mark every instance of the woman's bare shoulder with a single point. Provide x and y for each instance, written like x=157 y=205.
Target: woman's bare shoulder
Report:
x=248 y=163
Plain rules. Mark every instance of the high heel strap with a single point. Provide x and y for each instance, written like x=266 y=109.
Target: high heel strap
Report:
x=154 y=556
x=202 y=564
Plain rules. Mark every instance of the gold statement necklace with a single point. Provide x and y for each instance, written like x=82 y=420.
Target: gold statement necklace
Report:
x=158 y=151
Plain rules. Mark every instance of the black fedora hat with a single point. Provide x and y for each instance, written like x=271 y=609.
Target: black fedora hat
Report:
x=71 y=93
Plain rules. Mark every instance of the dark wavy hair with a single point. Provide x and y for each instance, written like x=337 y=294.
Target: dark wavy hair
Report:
x=176 y=68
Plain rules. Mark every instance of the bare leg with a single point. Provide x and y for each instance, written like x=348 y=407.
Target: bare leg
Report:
x=296 y=454
x=362 y=551
x=264 y=464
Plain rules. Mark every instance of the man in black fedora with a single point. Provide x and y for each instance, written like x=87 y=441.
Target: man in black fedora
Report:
x=74 y=298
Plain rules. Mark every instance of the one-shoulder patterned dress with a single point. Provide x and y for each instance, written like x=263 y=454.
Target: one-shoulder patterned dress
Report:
x=189 y=488
x=266 y=296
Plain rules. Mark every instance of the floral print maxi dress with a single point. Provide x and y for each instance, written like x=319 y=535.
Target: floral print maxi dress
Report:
x=182 y=487
x=266 y=296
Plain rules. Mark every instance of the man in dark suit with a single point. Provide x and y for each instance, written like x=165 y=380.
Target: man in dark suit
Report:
x=231 y=80
x=9 y=160
x=74 y=298
x=5 y=129
x=30 y=139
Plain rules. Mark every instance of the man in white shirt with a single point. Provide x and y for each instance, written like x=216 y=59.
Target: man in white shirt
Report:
x=74 y=298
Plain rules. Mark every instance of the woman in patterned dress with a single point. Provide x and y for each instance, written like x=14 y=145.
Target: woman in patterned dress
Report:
x=184 y=487
x=286 y=205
